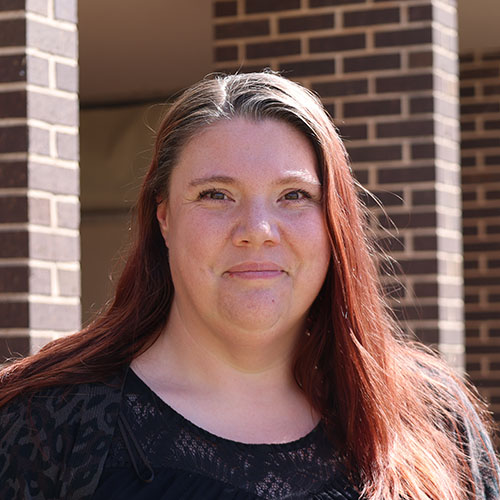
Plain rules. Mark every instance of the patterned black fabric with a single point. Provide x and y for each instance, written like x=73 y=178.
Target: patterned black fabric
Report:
x=53 y=443
x=187 y=458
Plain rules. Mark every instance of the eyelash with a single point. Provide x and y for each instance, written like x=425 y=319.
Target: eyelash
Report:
x=205 y=194
x=304 y=193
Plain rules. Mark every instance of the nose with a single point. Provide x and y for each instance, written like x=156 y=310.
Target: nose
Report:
x=256 y=226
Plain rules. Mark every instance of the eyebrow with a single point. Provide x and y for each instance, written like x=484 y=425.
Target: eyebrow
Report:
x=225 y=179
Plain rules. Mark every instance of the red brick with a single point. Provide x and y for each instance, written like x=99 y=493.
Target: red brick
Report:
x=13 y=139
x=375 y=153
x=479 y=73
x=12 y=32
x=492 y=160
x=491 y=56
x=242 y=29
x=14 y=315
x=404 y=83
x=467 y=126
x=421 y=59
x=337 y=43
x=420 y=13
x=308 y=68
x=13 y=209
x=409 y=221
x=326 y=3
x=421 y=105
x=488 y=142
x=14 y=244
x=13 y=174
x=476 y=108
x=372 y=108
x=372 y=63
x=493 y=195
x=406 y=174
x=403 y=37
x=13 y=68
x=306 y=23
x=409 y=128
x=226 y=53
x=391 y=244
x=492 y=124
x=387 y=198
x=371 y=17
x=423 y=151
x=12 y=5
x=466 y=58
x=273 y=49
x=353 y=132
x=14 y=347
x=341 y=88
x=222 y=9
x=480 y=212
x=254 y=6
x=491 y=90
x=13 y=104
x=14 y=279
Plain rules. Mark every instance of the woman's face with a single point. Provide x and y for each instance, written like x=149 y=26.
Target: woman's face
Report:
x=243 y=223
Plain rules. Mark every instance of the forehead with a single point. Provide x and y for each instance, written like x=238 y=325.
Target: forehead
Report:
x=247 y=148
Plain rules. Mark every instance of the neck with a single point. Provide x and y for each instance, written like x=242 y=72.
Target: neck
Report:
x=200 y=358
x=241 y=391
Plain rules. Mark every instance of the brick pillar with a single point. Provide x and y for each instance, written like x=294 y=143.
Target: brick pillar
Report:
x=387 y=72
x=480 y=112
x=39 y=176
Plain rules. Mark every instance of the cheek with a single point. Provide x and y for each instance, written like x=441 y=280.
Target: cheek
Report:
x=195 y=239
x=311 y=237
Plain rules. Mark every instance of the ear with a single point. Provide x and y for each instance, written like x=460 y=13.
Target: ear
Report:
x=162 y=216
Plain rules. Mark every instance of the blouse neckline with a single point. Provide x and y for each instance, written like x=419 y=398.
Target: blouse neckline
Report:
x=300 y=442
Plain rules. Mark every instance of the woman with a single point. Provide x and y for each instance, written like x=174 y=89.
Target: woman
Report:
x=248 y=352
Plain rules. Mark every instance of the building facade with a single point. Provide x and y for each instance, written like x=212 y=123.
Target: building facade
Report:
x=417 y=105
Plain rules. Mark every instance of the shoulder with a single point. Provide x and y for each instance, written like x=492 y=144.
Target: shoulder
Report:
x=57 y=437
x=466 y=417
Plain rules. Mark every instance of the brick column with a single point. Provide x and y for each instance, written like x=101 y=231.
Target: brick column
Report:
x=387 y=72
x=39 y=176
x=480 y=111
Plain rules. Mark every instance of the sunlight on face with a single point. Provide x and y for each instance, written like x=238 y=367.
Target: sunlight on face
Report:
x=247 y=242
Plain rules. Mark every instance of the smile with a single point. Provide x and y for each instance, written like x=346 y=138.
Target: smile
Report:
x=255 y=271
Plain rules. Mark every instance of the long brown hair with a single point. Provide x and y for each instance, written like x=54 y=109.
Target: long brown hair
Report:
x=392 y=409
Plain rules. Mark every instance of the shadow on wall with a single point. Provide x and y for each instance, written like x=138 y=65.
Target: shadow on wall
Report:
x=116 y=145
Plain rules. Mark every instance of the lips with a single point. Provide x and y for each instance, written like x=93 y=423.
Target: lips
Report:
x=255 y=270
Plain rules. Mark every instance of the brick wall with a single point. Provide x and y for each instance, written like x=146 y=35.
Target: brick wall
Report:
x=387 y=72
x=480 y=114
x=39 y=177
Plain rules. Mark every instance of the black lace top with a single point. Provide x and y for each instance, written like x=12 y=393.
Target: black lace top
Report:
x=158 y=454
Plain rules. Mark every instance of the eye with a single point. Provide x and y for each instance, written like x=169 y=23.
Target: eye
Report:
x=212 y=194
x=297 y=195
